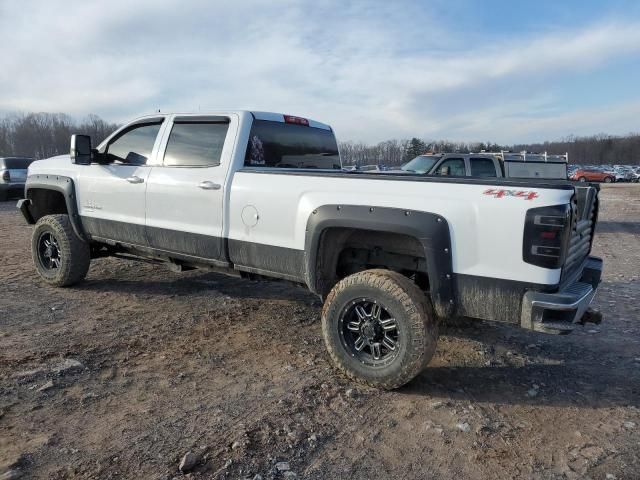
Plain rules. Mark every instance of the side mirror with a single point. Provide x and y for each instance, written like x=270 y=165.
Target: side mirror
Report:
x=444 y=171
x=80 y=151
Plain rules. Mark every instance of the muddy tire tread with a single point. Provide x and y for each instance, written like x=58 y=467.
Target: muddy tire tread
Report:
x=418 y=307
x=76 y=252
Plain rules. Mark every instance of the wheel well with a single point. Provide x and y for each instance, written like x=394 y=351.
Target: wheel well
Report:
x=46 y=202
x=345 y=251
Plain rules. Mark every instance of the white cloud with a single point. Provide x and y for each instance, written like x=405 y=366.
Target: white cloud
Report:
x=374 y=71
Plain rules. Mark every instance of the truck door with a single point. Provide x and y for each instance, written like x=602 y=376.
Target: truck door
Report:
x=186 y=191
x=111 y=197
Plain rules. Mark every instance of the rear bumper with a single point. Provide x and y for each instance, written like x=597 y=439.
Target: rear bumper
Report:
x=559 y=312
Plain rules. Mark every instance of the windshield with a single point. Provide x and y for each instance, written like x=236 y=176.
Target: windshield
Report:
x=420 y=164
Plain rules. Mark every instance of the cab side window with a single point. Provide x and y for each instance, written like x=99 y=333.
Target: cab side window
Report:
x=134 y=145
x=196 y=144
x=453 y=167
x=483 y=167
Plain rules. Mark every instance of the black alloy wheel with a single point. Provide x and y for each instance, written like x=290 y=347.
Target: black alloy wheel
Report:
x=49 y=254
x=369 y=332
x=60 y=256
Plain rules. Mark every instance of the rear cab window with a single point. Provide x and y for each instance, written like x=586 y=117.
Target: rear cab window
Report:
x=274 y=144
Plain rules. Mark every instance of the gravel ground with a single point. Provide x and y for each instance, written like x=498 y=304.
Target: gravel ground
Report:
x=124 y=374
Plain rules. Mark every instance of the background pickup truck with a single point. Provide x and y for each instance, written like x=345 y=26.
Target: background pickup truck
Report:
x=489 y=165
x=263 y=194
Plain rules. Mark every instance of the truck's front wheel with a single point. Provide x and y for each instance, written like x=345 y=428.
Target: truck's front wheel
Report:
x=60 y=257
x=379 y=328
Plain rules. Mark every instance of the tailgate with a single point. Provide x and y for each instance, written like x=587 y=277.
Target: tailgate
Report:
x=584 y=215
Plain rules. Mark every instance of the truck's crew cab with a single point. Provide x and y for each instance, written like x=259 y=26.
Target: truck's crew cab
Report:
x=251 y=193
x=489 y=165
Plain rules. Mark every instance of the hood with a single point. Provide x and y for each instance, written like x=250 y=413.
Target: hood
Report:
x=58 y=164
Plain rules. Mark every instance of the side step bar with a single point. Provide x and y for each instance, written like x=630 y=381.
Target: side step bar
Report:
x=560 y=312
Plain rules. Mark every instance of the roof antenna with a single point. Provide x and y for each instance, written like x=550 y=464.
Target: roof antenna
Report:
x=158 y=110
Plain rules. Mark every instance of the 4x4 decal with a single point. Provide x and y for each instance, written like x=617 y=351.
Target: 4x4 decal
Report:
x=500 y=193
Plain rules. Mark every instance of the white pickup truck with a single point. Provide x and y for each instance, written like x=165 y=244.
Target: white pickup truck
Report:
x=263 y=194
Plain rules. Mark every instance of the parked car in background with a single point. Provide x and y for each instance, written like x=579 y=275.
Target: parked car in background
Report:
x=571 y=170
x=593 y=175
x=624 y=173
x=13 y=174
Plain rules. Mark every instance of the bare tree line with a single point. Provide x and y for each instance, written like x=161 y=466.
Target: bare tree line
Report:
x=42 y=135
x=598 y=149
x=601 y=149
x=396 y=152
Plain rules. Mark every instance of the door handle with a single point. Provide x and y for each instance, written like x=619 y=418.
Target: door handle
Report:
x=135 y=179
x=208 y=185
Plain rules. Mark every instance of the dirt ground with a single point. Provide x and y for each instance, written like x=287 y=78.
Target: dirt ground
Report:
x=124 y=374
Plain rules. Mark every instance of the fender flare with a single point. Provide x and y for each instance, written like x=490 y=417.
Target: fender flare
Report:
x=57 y=183
x=431 y=230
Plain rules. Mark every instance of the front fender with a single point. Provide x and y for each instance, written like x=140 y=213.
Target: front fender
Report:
x=58 y=183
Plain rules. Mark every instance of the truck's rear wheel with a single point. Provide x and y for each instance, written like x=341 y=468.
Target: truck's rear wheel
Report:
x=379 y=328
x=60 y=257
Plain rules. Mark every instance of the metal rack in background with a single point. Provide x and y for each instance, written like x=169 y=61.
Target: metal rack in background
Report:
x=534 y=157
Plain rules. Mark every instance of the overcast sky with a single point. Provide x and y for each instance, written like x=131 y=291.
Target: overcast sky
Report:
x=455 y=69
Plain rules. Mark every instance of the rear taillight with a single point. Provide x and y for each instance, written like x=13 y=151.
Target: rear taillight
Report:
x=546 y=235
x=6 y=176
x=296 y=120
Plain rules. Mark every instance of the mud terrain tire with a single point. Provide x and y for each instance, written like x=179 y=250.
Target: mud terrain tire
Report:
x=404 y=303
x=68 y=259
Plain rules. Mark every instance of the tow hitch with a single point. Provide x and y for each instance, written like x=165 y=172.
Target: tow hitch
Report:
x=591 y=316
